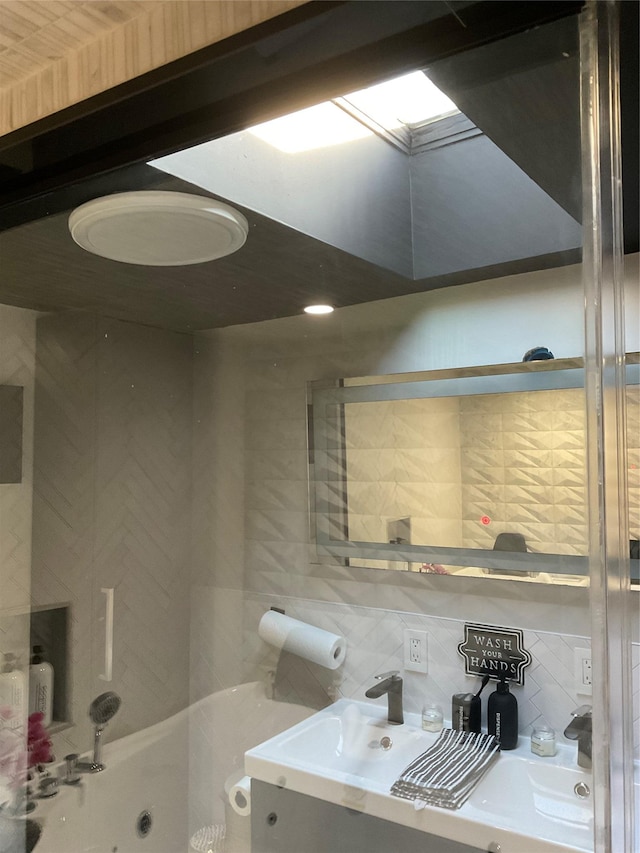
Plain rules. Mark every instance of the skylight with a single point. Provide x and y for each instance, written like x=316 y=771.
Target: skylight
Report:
x=409 y=100
x=315 y=127
x=404 y=102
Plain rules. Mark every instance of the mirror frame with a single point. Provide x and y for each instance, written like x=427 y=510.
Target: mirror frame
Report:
x=328 y=516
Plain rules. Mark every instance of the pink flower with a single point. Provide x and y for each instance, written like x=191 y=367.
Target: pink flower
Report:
x=40 y=753
x=39 y=745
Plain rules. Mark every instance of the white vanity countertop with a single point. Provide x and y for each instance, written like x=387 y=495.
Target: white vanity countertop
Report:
x=523 y=803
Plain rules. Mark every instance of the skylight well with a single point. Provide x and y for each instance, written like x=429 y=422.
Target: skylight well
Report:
x=405 y=102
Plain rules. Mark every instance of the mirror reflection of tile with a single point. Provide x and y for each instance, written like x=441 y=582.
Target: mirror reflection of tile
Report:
x=463 y=472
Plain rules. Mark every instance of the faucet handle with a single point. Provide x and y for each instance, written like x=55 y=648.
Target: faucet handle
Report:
x=72 y=776
x=394 y=673
x=582 y=711
x=48 y=787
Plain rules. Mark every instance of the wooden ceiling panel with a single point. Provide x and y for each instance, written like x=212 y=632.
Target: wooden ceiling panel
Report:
x=35 y=33
x=54 y=53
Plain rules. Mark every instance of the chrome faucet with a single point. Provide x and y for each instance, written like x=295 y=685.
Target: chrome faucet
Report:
x=391 y=684
x=580 y=729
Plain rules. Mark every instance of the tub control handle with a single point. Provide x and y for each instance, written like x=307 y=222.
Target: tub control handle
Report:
x=107 y=675
x=72 y=775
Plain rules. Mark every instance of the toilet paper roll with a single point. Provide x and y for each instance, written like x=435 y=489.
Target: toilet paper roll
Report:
x=240 y=796
x=301 y=639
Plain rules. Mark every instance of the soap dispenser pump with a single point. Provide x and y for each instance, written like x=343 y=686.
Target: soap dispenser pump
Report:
x=502 y=715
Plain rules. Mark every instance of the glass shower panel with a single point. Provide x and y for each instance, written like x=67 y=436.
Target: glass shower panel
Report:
x=481 y=214
x=141 y=570
x=110 y=577
x=614 y=604
x=63 y=534
x=170 y=539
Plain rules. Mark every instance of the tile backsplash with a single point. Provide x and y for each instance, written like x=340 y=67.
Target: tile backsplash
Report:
x=375 y=644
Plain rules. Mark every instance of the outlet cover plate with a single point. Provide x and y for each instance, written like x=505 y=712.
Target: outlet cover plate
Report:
x=415 y=650
x=582 y=671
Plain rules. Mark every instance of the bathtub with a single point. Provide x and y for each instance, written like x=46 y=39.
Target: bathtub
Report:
x=164 y=783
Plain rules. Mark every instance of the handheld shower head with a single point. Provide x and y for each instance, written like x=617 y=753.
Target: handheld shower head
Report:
x=104 y=707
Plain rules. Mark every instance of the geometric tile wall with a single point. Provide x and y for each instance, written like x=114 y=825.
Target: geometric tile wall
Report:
x=403 y=460
x=517 y=459
x=112 y=510
x=524 y=467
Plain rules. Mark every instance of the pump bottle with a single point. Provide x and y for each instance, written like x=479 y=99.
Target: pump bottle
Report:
x=502 y=715
x=41 y=685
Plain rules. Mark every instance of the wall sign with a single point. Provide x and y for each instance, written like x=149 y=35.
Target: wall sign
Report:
x=489 y=650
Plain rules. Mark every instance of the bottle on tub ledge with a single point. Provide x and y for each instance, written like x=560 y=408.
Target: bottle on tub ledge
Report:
x=12 y=692
x=41 y=686
x=502 y=715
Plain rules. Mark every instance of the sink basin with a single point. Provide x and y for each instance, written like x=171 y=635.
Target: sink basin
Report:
x=350 y=744
x=546 y=800
x=349 y=755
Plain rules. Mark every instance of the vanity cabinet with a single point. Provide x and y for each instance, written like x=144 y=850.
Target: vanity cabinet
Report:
x=284 y=821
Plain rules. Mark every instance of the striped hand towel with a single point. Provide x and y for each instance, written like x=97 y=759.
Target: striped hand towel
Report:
x=448 y=771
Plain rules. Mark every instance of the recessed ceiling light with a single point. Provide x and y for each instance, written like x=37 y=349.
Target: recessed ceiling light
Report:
x=318 y=309
x=158 y=229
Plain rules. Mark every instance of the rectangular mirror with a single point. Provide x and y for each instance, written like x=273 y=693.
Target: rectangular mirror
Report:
x=470 y=472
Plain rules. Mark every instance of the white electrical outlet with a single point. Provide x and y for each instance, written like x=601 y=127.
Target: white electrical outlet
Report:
x=415 y=650
x=582 y=671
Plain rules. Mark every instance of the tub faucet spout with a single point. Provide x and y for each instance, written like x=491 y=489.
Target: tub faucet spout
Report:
x=580 y=729
x=391 y=684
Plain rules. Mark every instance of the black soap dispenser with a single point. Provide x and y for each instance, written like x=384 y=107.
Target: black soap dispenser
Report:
x=502 y=715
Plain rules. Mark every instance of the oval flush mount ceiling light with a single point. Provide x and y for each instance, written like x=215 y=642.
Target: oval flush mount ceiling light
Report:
x=158 y=229
x=318 y=309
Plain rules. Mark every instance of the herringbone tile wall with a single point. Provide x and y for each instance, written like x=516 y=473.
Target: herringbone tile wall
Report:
x=17 y=367
x=218 y=519
x=375 y=644
x=112 y=510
